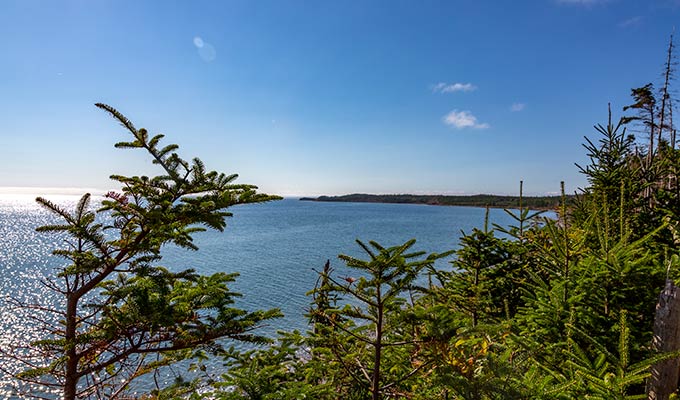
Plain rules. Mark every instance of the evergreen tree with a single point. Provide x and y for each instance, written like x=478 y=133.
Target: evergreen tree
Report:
x=369 y=338
x=122 y=316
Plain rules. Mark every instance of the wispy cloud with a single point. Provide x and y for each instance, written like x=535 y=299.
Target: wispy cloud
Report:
x=583 y=2
x=463 y=119
x=516 y=107
x=631 y=22
x=443 y=87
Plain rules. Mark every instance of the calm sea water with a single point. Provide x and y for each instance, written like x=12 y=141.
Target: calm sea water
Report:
x=274 y=246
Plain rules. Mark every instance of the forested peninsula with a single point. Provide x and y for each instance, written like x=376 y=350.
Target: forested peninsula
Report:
x=478 y=200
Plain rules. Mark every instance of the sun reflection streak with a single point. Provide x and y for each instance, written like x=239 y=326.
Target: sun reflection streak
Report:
x=25 y=261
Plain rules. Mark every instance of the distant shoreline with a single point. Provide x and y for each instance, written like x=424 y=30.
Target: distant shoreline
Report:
x=478 y=200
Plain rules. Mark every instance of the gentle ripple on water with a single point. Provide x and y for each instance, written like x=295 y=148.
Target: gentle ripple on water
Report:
x=273 y=246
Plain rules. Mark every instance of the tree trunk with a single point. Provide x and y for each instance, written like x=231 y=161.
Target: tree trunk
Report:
x=71 y=370
x=668 y=72
x=474 y=307
x=375 y=381
x=664 y=379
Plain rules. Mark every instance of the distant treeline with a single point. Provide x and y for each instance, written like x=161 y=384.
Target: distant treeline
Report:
x=478 y=200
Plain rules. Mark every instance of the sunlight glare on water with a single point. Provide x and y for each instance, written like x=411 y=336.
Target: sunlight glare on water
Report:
x=25 y=260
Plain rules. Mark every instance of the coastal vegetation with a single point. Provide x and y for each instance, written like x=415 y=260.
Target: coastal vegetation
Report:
x=545 y=309
x=478 y=200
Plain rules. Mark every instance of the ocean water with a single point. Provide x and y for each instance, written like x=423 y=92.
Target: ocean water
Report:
x=275 y=247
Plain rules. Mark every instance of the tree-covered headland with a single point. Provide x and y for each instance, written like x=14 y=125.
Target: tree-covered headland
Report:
x=564 y=308
x=478 y=200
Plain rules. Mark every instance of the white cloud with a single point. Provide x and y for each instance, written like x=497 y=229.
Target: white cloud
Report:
x=631 y=22
x=463 y=119
x=443 y=87
x=515 y=107
x=582 y=2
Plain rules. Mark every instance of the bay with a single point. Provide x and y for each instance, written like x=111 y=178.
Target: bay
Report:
x=277 y=247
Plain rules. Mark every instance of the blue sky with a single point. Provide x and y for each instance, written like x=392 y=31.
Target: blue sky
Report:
x=321 y=97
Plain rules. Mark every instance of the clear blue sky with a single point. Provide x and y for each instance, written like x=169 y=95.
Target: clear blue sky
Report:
x=321 y=97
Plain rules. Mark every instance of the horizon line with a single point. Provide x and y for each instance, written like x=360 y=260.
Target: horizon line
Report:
x=73 y=191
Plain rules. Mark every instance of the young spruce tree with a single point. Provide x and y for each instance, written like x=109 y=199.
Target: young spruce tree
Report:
x=368 y=339
x=122 y=316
